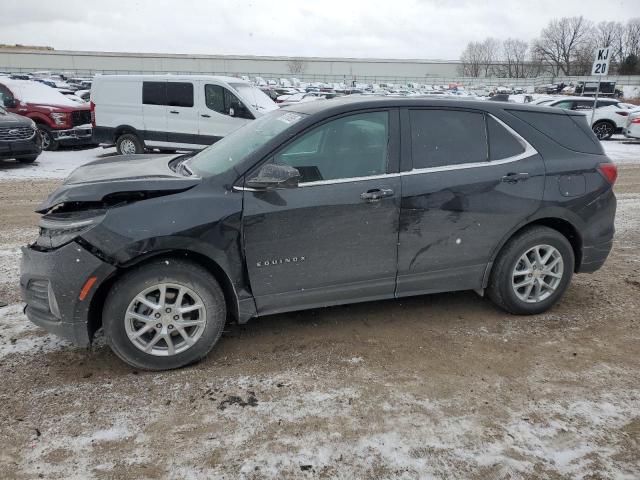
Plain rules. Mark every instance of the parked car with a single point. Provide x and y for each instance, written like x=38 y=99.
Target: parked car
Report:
x=317 y=204
x=606 y=89
x=632 y=127
x=170 y=112
x=610 y=116
x=19 y=138
x=60 y=120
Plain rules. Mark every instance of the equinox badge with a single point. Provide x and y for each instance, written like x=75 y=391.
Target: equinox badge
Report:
x=278 y=261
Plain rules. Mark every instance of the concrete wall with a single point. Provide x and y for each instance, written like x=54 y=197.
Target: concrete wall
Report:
x=314 y=68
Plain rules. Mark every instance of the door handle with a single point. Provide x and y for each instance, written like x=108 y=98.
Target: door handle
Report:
x=376 y=194
x=515 y=177
x=174 y=111
x=205 y=115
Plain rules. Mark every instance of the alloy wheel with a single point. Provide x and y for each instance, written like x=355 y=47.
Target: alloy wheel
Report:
x=537 y=273
x=602 y=130
x=127 y=147
x=46 y=139
x=165 y=319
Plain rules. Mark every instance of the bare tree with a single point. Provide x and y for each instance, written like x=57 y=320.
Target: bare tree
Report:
x=296 y=66
x=560 y=42
x=609 y=34
x=513 y=62
x=471 y=60
x=478 y=58
x=630 y=38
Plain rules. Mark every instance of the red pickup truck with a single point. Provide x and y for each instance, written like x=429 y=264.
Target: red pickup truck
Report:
x=61 y=120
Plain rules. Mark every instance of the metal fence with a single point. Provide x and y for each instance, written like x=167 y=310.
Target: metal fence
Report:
x=399 y=79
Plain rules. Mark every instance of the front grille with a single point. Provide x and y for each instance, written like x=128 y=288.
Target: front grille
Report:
x=80 y=117
x=14 y=134
x=38 y=294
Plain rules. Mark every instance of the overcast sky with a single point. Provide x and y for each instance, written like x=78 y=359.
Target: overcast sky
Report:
x=434 y=29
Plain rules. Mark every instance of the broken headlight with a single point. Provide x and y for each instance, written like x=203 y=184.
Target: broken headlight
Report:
x=58 y=230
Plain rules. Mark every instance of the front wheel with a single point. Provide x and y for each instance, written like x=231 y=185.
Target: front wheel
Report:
x=603 y=130
x=532 y=271
x=48 y=142
x=164 y=315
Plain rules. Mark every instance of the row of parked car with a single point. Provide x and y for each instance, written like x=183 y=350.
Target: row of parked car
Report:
x=137 y=113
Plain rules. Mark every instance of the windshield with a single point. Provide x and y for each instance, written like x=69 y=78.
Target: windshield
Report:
x=255 y=97
x=232 y=149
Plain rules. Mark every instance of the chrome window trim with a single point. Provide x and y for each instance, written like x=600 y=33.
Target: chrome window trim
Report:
x=529 y=151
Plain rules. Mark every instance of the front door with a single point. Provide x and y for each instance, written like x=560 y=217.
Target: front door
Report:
x=221 y=114
x=473 y=180
x=334 y=238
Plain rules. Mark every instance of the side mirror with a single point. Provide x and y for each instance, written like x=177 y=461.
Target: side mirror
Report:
x=274 y=175
x=232 y=112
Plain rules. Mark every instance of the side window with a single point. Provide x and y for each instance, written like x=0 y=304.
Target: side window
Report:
x=565 y=104
x=447 y=137
x=154 y=93
x=5 y=95
x=180 y=94
x=214 y=98
x=348 y=147
x=221 y=100
x=501 y=143
x=584 y=105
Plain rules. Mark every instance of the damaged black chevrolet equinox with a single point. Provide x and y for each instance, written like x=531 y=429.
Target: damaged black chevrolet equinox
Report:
x=319 y=204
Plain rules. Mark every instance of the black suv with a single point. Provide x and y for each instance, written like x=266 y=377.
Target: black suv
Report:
x=19 y=138
x=318 y=204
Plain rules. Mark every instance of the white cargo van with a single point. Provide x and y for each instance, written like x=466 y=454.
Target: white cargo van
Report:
x=169 y=112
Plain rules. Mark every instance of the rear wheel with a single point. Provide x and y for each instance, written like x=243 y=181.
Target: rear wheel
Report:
x=164 y=315
x=532 y=271
x=603 y=130
x=129 y=144
x=48 y=142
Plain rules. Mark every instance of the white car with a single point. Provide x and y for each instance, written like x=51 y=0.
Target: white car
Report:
x=632 y=127
x=610 y=114
x=169 y=112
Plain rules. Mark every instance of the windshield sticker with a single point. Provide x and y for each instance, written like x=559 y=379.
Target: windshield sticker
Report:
x=290 y=117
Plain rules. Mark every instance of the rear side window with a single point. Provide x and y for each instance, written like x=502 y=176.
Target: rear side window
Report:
x=447 y=137
x=502 y=144
x=180 y=94
x=154 y=93
x=563 y=129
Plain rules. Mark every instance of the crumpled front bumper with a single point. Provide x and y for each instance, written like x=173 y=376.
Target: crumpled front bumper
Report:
x=51 y=282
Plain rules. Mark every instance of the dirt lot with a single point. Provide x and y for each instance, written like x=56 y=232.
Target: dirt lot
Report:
x=439 y=386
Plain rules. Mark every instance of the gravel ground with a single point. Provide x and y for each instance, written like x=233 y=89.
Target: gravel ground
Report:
x=442 y=386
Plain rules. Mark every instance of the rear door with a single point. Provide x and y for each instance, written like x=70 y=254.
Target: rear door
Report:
x=471 y=180
x=182 y=114
x=154 y=110
x=221 y=113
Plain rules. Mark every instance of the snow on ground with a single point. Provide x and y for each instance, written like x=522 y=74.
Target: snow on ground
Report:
x=58 y=164
x=622 y=150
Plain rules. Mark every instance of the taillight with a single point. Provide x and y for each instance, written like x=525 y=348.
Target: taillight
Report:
x=635 y=120
x=92 y=106
x=609 y=171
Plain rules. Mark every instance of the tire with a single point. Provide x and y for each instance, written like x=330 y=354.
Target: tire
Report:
x=129 y=144
x=604 y=130
x=27 y=159
x=119 y=325
x=508 y=268
x=48 y=143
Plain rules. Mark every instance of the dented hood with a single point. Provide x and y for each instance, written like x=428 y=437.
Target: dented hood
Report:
x=96 y=180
